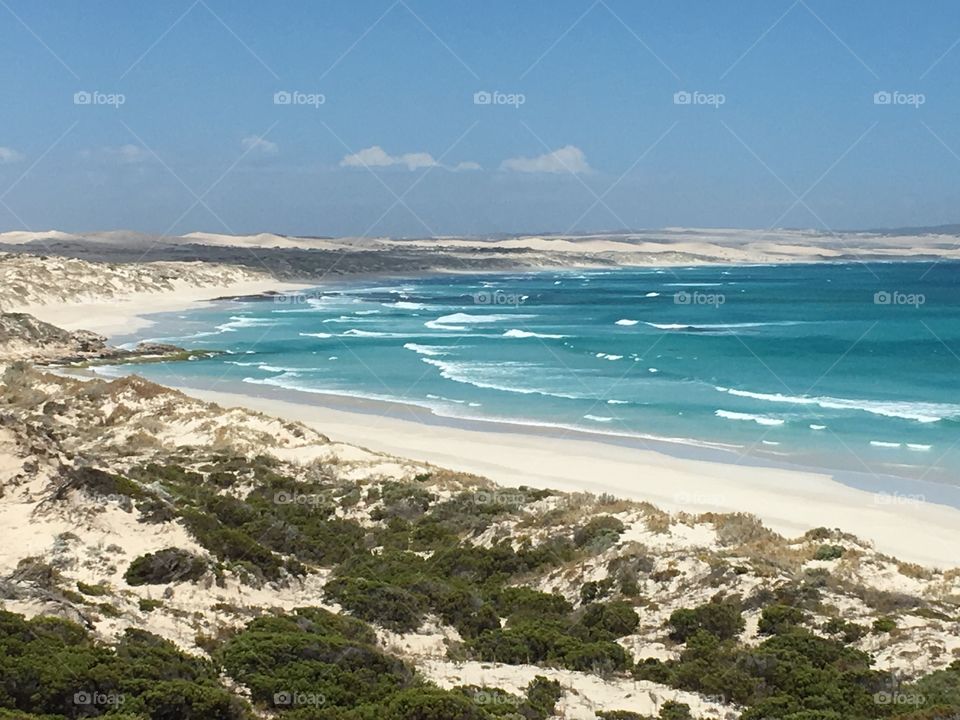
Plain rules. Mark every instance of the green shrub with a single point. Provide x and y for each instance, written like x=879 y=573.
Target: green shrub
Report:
x=432 y=704
x=518 y=602
x=600 y=529
x=721 y=618
x=849 y=631
x=595 y=590
x=614 y=619
x=778 y=618
x=548 y=641
x=828 y=552
x=94 y=590
x=542 y=697
x=675 y=711
x=164 y=567
x=320 y=654
x=379 y=602
x=884 y=625
x=47 y=664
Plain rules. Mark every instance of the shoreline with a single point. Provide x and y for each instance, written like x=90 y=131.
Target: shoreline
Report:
x=786 y=500
x=130 y=312
x=790 y=501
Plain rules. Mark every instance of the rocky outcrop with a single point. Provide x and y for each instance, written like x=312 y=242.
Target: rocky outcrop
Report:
x=24 y=337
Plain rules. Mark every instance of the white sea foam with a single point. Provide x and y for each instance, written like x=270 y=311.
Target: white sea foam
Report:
x=883 y=444
x=347 y=319
x=617 y=402
x=284 y=381
x=918 y=411
x=459 y=321
x=626 y=321
x=608 y=356
x=759 y=419
x=652 y=294
x=353 y=332
x=405 y=305
x=597 y=418
x=446 y=399
x=275 y=369
x=707 y=327
x=431 y=350
x=512 y=333
x=917 y=447
x=316 y=335
x=818 y=427
x=491 y=376
x=669 y=326
x=244 y=321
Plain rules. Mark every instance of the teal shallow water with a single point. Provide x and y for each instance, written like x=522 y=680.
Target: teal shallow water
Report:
x=847 y=367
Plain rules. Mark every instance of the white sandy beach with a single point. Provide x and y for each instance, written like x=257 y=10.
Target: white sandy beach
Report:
x=125 y=314
x=788 y=501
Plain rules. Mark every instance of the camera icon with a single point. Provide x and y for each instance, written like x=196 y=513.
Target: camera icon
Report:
x=283 y=498
x=82 y=698
x=882 y=98
x=682 y=298
x=882 y=298
x=283 y=698
x=682 y=97
x=82 y=98
x=482 y=97
x=282 y=97
x=883 y=698
x=481 y=298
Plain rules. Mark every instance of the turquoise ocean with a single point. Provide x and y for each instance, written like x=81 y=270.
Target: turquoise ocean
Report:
x=849 y=368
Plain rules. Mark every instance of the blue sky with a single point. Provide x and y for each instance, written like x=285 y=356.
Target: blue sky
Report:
x=782 y=129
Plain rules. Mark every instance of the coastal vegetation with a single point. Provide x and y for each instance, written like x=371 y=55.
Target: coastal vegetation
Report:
x=222 y=580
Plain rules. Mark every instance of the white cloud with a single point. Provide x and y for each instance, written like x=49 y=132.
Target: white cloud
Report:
x=128 y=154
x=255 y=143
x=9 y=155
x=566 y=159
x=376 y=156
x=118 y=155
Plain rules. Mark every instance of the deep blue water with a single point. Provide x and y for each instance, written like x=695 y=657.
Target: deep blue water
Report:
x=847 y=366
